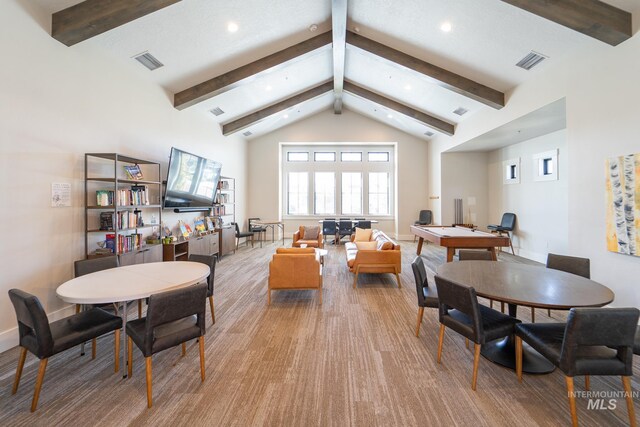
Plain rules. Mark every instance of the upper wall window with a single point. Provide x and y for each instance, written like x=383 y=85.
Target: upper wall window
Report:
x=324 y=156
x=378 y=156
x=297 y=156
x=351 y=156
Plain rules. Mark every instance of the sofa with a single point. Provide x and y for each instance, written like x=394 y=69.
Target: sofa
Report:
x=385 y=258
x=313 y=242
x=295 y=269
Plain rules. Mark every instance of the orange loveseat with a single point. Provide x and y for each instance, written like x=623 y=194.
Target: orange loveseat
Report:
x=295 y=269
x=386 y=258
x=298 y=239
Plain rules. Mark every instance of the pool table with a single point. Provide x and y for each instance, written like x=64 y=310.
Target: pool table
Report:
x=454 y=238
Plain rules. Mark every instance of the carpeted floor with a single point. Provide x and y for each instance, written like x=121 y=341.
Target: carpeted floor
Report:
x=352 y=361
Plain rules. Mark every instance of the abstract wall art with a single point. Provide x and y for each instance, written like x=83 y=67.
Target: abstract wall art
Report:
x=623 y=204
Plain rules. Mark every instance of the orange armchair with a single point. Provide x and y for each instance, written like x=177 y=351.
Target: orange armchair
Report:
x=315 y=243
x=294 y=269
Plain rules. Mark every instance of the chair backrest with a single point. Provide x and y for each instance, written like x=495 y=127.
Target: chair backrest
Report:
x=466 y=255
x=364 y=224
x=209 y=260
x=329 y=219
x=33 y=325
x=237 y=229
x=345 y=226
x=359 y=219
x=86 y=266
x=328 y=227
x=508 y=221
x=464 y=299
x=607 y=327
x=294 y=270
x=425 y=217
x=420 y=276
x=570 y=264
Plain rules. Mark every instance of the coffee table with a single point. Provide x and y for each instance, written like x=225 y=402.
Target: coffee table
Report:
x=320 y=254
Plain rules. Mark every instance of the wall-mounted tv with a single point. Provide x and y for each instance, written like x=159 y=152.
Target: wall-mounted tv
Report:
x=191 y=182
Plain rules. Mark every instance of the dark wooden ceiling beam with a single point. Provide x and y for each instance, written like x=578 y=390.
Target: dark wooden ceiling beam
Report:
x=339 y=27
x=446 y=79
x=253 y=70
x=258 y=116
x=591 y=17
x=92 y=17
x=432 y=122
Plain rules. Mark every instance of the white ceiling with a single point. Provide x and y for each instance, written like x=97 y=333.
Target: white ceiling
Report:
x=191 y=40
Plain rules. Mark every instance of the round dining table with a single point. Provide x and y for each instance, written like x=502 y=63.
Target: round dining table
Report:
x=530 y=286
x=130 y=283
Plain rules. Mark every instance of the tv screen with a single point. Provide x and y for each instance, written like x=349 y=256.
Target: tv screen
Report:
x=191 y=181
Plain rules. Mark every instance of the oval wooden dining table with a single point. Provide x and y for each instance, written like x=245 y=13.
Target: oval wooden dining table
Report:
x=530 y=286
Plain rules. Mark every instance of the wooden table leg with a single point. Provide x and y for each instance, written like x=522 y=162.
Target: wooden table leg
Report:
x=450 y=253
x=494 y=257
x=420 y=241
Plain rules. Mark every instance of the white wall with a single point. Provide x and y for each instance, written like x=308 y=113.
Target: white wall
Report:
x=58 y=103
x=349 y=127
x=466 y=175
x=601 y=88
x=542 y=224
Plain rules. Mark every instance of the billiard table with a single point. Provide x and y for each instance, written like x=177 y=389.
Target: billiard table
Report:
x=454 y=238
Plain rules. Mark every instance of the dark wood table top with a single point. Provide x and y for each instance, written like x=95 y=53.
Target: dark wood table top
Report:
x=529 y=285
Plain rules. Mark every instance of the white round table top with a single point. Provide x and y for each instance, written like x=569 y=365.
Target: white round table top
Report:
x=132 y=282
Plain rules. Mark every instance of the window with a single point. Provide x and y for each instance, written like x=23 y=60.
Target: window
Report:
x=351 y=193
x=375 y=156
x=323 y=156
x=297 y=193
x=379 y=193
x=351 y=156
x=293 y=156
x=324 y=193
x=547 y=166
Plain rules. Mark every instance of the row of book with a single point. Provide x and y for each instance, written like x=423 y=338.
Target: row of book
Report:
x=124 y=220
x=129 y=243
x=223 y=198
x=223 y=185
x=137 y=195
x=218 y=210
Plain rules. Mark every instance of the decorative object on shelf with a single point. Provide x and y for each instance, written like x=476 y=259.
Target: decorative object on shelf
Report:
x=185 y=230
x=623 y=202
x=134 y=172
x=199 y=225
x=210 y=225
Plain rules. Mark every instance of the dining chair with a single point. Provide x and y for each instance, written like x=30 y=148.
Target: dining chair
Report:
x=329 y=229
x=459 y=310
x=209 y=260
x=476 y=255
x=44 y=339
x=173 y=318
x=344 y=228
x=424 y=218
x=593 y=341
x=507 y=224
x=262 y=231
x=241 y=234
x=92 y=265
x=363 y=224
x=427 y=295
x=569 y=264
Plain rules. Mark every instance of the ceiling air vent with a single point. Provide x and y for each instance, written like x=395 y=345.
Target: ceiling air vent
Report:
x=148 y=61
x=216 y=111
x=429 y=133
x=460 y=111
x=247 y=133
x=531 y=60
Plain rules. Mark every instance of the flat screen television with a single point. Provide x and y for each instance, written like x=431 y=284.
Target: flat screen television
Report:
x=191 y=182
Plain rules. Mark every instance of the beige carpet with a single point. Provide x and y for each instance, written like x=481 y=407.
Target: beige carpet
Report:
x=352 y=361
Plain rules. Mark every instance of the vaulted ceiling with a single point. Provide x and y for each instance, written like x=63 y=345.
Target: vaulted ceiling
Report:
x=389 y=60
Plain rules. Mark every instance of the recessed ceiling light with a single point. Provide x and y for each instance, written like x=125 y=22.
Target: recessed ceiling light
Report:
x=268 y=88
x=461 y=111
x=446 y=26
x=407 y=87
x=232 y=27
x=285 y=116
x=313 y=27
x=390 y=116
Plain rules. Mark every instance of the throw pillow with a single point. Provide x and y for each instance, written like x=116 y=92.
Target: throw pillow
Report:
x=367 y=246
x=363 y=235
x=384 y=245
x=311 y=233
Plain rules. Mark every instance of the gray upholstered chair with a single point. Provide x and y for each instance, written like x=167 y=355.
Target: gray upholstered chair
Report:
x=427 y=295
x=424 y=218
x=476 y=255
x=173 y=318
x=345 y=228
x=45 y=339
x=460 y=311
x=329 y=228
x=570 y=264
x=363 y=224
x=241 y=234
x=594 y=341
x=507 y=224
x=209 y=260
x=262 y=231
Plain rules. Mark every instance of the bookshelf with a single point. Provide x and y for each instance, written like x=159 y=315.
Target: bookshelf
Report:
x=224 y=210
x=119 y=210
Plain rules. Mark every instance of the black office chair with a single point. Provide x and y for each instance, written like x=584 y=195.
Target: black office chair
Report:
x=45 y=339
x=344 y=228
x=364 y=224
x=507 y=224
x=329 y=229
x=427 y=295
x=569 y=264
x=460 y=311
x=425 y=218
x=260 y=230
x=241 y=234
x=173 y=318
x=209 y=260
x=594 y=341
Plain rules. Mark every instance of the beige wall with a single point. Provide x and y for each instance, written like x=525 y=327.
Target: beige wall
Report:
x=349 y=127
x=58 y=103
x=466 y=177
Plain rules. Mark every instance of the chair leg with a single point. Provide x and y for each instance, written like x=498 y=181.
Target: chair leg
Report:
x=490 y=303
x=268 y=296
x=587 y=382
x=511 y=243
x=117 y=351
x=93 y=348
x=184 y=349
x=533 y=315
x=78 y=308
x=519 y=358
x=139 y=308
x=420 y=314
x=549 y=312
x=502 y=306
x=129 y=357
x=440 y=341
x=629 y=397
x=476 y=361
x=36 y=394
x=355 y=278
x=320 y=295
x=201 y=341
x=398 y=277
x=147 y=361
x=466 y=343
x=572 y=401
x=213 y=315
x=23 y=357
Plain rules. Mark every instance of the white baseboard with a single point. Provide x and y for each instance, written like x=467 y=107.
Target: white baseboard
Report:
x=10 y=337
x=534 y=256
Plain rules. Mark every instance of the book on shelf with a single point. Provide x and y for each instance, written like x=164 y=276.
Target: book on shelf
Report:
x=133 y=172
x=210 y=225
x=104 y=197
x=199 y=225
x=128 y=243
x=106 y=220
x=218 y=210
x=137 y=195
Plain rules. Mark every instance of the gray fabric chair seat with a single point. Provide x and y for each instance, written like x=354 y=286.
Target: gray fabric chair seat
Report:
x=164 y=336
x=494 y=324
